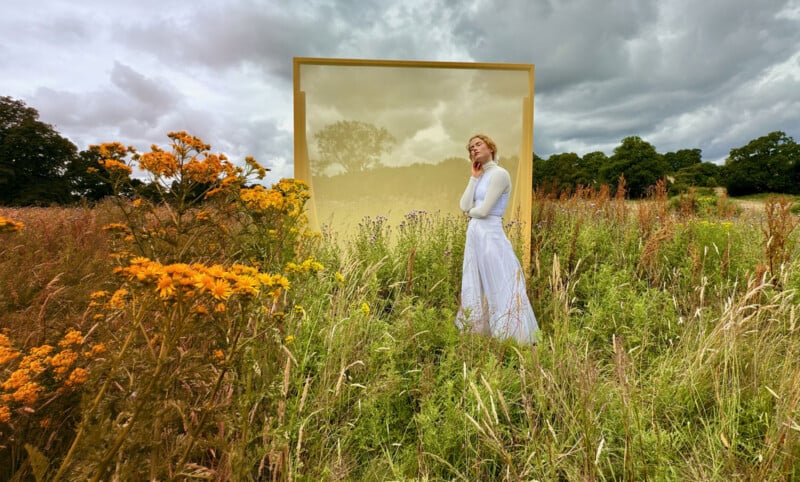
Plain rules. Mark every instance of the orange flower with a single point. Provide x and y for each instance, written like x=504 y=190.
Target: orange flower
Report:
x=113 y=166
x=7 y=225
x=73 y=337
x=77 y=377
x=5 y=414
x=27 y=394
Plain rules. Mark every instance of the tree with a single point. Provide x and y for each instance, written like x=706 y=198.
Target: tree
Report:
x=682 y=158
x=559 y=171
x=704 y=174
x=770 y=163
x=639 y=162
x=591 y=163
x=353 y=146
x=33 y=157
x=84 y=184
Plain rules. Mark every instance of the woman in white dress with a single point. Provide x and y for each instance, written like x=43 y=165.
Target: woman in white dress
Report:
x=493 y=297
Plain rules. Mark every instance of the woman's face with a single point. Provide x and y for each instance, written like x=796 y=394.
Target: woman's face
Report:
x=479 y=150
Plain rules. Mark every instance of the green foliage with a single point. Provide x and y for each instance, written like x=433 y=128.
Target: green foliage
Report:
x=682 y=159
x=563 y=172
x=701 y=174
x=33 y=158
x=770 y=163
x=638 y=162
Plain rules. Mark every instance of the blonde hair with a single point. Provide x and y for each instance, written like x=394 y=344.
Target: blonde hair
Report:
x=489 y=142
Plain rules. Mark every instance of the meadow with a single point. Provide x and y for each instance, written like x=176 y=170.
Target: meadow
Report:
x=222 y=340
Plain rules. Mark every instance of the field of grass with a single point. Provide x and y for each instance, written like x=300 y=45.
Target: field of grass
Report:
x=226 y=342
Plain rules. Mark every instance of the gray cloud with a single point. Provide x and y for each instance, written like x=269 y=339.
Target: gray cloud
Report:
x=680 y=74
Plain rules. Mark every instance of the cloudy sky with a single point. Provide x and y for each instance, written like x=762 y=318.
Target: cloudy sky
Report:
x=710 y=74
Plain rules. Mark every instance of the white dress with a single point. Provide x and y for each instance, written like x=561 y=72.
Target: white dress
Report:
x=493 y=297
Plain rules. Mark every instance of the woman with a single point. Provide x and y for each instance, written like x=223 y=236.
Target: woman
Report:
x=493 y=297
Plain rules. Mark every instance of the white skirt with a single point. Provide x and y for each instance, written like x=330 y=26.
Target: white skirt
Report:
x=493 y=297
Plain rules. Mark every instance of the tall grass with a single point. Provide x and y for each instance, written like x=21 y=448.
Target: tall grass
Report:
x=668 y=351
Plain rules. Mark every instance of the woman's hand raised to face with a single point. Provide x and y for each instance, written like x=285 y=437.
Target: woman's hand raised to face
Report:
x=477 y=169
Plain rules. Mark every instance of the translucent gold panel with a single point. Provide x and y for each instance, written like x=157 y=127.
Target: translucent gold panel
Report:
x=386 y=138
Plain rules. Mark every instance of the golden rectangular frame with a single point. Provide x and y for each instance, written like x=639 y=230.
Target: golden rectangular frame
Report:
x=521 y=191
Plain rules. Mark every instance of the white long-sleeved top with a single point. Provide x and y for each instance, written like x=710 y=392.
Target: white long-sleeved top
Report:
x=497 y=183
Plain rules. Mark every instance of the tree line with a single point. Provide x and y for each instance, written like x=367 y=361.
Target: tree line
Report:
x=770 y=163
x=38 y=166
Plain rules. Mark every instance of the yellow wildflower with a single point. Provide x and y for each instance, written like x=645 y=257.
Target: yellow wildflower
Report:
x=339 y=277
x=165 y=287
x=289 y=340
x=365 y=309
x=117 y=300
x=246 y=285
x=221 y=289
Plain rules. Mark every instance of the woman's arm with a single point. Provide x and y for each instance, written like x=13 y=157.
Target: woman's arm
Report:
x=499 y=183
x=469 y=194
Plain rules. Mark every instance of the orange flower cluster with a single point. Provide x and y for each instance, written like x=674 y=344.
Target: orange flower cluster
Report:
x=160 y=163
x=7 y=225
x=117 y=227
x=185 y=281
x=115 y=167
x=43 y=369
x=112 y=159
x=190 y=161
x=111 y=150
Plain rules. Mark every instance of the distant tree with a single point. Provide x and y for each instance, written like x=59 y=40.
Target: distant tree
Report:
x=33 y=158
x=353 y=146
x=591 y=163
x=543 y=173
x=682 y=158
x=704 y=174
x=566 y=171
x=770 y=163
x=555 y=172
x=639 y=162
